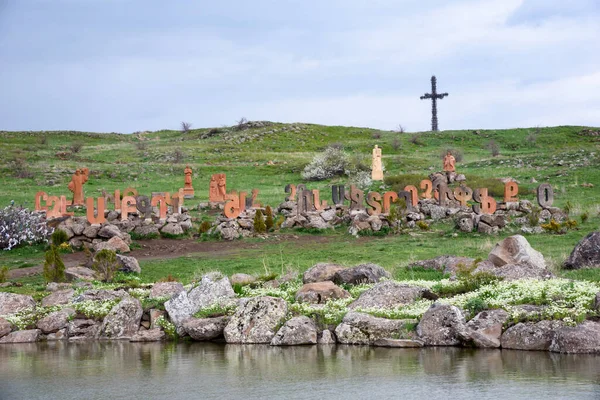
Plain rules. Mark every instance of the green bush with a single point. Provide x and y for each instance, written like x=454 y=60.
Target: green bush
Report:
x=259 y=222
x=3 y=274
x=584 y=217
x=204 y=227
x=59 y=237
x=269 y=218
x=105 y=263
x=54 y=268
x=399 y=182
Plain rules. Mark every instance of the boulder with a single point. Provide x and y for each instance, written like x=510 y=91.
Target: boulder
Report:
x=399 y=343
x=91 y=231
x=441 y=325
x=172 y=229
x=315 y=221
x=55 y=286
x=464 y=222
x=242 y=279
x=328 y=215
x=326 y=337
x=123 y=321
x=5 y=327
x=360 y=328
x=485 y=329
x=100 y=295
x=28 y=336
x=363 y=273
x=58 y=298
x=516 y=250
x=128 y=264
x=146 y=230
x=320 y=292
x=447 y=264
x=583 y=338
x=58 y=335
x=596 y=304
x=321 y=272
x=256 y=320
x=115 y=244
x=11 y=303
x=55 y=321
x=486 y=229
x=79 y=273
x=78 y=226
x=530 y=335
x=150 y=335
x=82 y=329
x=229 y=234
x=511 y=272
x=586 y=253
x=166 y=289
x=296 y=331
x=205 y=328
x=109 y=231
x=389 y=294
x=493 y=220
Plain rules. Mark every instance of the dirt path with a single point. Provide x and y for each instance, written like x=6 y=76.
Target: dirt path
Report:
x=172 y=248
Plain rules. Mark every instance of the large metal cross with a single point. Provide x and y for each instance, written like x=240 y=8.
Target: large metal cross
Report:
x=434 y=96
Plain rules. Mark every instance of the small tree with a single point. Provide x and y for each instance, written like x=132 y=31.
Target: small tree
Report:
x=240 y=123
x=269 y=223
x=185 y=126
x=54 y=268
x=259 y=222
x=105 y=263
x=59 y=237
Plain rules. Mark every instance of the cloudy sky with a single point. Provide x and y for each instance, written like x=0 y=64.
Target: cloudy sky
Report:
x=131 y=65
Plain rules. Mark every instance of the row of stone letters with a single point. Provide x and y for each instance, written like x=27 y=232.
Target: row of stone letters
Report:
x=309 y=200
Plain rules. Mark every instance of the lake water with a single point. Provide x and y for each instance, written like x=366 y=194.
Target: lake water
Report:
x=114 y=370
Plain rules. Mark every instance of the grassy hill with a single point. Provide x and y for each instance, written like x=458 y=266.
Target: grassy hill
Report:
x=566 y=156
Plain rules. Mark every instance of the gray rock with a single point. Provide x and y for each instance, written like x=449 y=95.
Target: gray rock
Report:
x=123 y=321
x=493 y=220
x=83 y=329
x=58 y=298
x=485 y=329
x=321 y=272
x=583 y=338
x=296 y=331
x=486 y=229
x=363 y=273
x=320 y=292
x=360 y=328
x=530 y=335
x=315 y=221
x=400 y=343
x=229 y=234
x=55 y=286
x=242 y=279
x=172 y=229
x=115 y=244
x=55 y=321
x=597 y=302
x=516 y=250
x=328 y=215
x=108 y=231
x=256 y=321
x=150 y=335
x=100 y=295
x=511 y=272
x=464 y=223
x=58 y=335
x=390 y=294
x=11 y=303
x=5 y=327
x=326 y=337
x=28 y=336
x=586 y=253
x=447 y=264
x=128 y=264
x=441 y=325
x=205 y=328
x=146 y=230
x=166 y=289
x=91 y=231
x=79 y=273
x=78 y=226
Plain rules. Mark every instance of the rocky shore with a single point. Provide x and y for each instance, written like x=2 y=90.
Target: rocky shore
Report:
x=510 y=301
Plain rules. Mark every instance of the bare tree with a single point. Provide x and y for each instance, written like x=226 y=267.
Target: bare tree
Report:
x=240 y=123
x=400 y=129
x=185 y=126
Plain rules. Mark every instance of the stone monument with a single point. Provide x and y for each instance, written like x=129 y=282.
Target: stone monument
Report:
x=79 y=178
x=188 y=190
x=217 y=188
x=449 y=162
x=376 y=166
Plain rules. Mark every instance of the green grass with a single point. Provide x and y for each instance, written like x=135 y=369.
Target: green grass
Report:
x=559 y=155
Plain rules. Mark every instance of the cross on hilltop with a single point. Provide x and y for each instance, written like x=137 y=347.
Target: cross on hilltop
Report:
x=434 y=96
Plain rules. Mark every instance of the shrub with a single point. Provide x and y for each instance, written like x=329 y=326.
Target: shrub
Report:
x=240 y=123
x=185 y=126
x=168 y=327
x=44 y=140
x=416 y=140
x=105 y=263
x=584 y=217
x=21 y=169
x=570 y=224
x=3 y=274
x=553 y=227
x=534 y=216
x=141 y=145
x=332 y=162
x=376 y=135
x=475 y=305
x=19 y=225
x=396 y=144
x=494 y=148
x=76 y=147
x=204 y=227
x=280 y=221
x=400 y=129
x=568 y=208
x=178 y=156
x=216 y=310
x=495 y=186
x=424 y=226
x=59 y=237
x=362 y=179
x=269 y=218
x=259 y=222
x=531 y=138
x=54 y=268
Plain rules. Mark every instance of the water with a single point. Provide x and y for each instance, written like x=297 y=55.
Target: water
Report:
x=105 y=370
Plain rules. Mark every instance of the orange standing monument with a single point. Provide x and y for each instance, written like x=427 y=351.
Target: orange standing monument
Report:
x=217 y=188
x=79 y=178
x=188 y=190
x=376 y=166
x=449 y=162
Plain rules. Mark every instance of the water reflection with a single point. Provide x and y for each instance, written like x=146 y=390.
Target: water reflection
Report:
x=211 y=370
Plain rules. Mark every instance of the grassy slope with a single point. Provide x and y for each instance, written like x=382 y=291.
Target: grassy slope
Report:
x=557 y=155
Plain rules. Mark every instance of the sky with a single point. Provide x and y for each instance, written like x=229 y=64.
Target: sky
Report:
x=145 y=65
